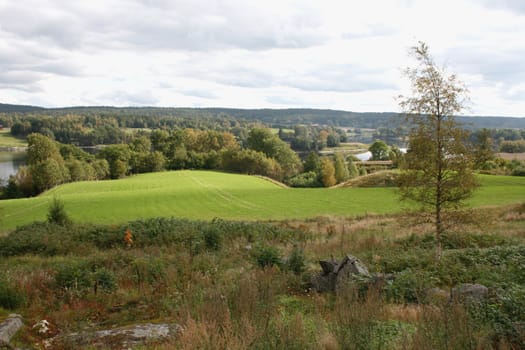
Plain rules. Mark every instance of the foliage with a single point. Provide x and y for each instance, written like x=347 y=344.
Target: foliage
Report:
x=267 y=256
x=57 y=213
x=307 y=179
x=296 y=261
x=262 y=140
x=513 y=146
x=341 y=170
x=327 y=172
x=379 y=150
x=483 y=148
x=438 y=165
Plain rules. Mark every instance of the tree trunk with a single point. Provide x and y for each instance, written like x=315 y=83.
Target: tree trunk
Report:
x=439 y=231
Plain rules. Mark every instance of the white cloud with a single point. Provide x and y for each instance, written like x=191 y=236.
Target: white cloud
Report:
x=288 y=53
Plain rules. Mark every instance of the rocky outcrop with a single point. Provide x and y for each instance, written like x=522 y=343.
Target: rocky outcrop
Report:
x=119 y=338
x=338 y=275
x=8 y=329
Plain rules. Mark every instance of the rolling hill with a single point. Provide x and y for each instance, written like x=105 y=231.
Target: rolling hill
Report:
x=205 y=195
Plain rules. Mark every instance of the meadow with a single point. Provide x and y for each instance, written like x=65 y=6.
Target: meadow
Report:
x=6 y=140
x=204 y=195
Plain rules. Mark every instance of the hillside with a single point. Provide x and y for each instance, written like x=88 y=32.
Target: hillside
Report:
x=204 y=195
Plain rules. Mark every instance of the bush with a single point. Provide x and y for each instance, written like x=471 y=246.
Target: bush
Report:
x=57 y=214
x=296 y=261
x=267 y=256
x=308 y=179
x=73 y=276
x=105 y=280
x=212 y=238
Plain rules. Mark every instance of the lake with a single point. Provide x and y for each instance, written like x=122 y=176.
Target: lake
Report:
x=9 y=164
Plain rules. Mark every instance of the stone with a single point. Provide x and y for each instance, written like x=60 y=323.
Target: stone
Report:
x=469 y=292
x=338 y=275
x=328 y=266
x=351 y=265
x=9 y=327
x=121 y=338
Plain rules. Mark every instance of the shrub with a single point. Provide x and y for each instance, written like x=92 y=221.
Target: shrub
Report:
x=308 y=179
x=104 y=279
x=212 y=238
x=267 y=256
x=74 y=276
x=296 y=261
x=57 y=214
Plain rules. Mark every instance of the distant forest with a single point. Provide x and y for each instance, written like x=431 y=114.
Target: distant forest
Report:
x=147 y=117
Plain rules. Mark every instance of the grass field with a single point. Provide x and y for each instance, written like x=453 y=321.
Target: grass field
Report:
x=6 y=140
x=205 y=195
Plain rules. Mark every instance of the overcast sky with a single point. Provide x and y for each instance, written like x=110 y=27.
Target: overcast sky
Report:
x=345 y=54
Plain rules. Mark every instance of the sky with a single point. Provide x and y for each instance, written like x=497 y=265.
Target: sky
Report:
x=348 y=55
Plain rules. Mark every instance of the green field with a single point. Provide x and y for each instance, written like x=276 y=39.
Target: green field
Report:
x=6 y=140
x=207 y=194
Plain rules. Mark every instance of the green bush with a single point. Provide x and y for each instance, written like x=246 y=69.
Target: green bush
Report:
x=296 y=261
x=74 y=275
x=308 y=179
x=266 y=256
x=105 y=280
x=57 y=213
x=212 y=238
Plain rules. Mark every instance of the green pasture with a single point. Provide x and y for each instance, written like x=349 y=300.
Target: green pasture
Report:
x=206 y=194
x=6 y=140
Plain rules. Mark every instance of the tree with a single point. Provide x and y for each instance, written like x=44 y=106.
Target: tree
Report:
x=312 y=162
x=437 y=171
x=56 y=213
x=379 y=150
x=40 y=148
x=341 y=171
x=328 y=172
x=484 y=148
x=262 y=140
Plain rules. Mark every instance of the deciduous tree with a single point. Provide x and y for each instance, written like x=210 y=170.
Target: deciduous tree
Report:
x=437 y=172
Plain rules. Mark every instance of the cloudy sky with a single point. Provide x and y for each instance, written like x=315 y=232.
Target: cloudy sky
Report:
x=256 y=54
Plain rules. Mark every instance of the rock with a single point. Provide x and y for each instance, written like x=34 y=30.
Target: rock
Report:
x=469 y=292
x=9 y=327
x=351 y=265
x=328 y=266
x=120 y=338
x=336 y=276
x=323 y=283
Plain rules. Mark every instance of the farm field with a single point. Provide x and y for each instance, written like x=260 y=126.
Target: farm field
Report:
x=204 y=195
x=6 y=140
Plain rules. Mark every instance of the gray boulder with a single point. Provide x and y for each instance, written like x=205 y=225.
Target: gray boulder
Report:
x=120 y=338
x=336 y=276
x=467 y=292
x=9 y=327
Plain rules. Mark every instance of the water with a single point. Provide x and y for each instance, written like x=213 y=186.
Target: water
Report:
x=367 y=155
x=9 y=164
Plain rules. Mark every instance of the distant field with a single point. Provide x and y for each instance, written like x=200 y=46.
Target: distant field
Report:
x=6 y=140
x=205 y=195
x=511 y=156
